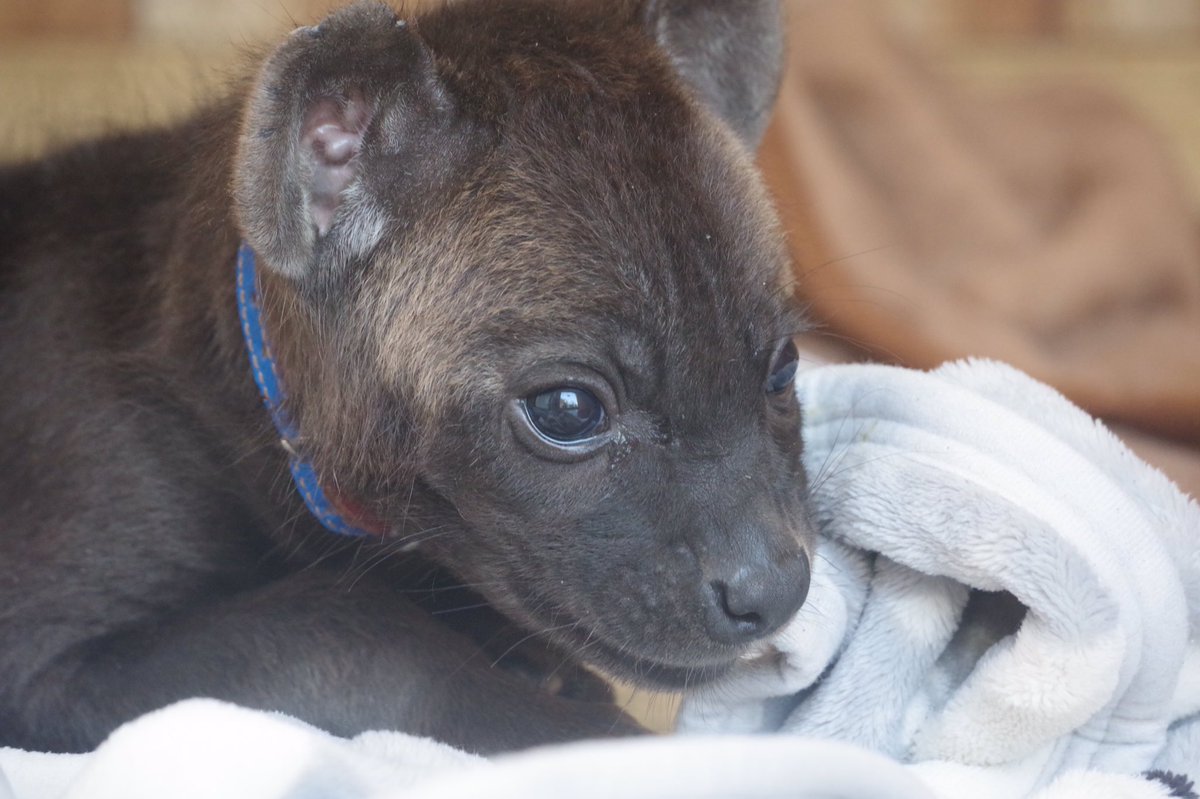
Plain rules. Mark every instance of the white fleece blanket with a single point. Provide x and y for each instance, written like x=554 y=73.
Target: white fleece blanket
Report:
x=1006 y=604
x=1007 y=594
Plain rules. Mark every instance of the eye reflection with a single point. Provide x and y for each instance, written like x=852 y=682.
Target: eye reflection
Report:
x=566 y=414
x=783 y=369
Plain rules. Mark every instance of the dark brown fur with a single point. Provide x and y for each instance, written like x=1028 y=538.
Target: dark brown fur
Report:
x=544 y=193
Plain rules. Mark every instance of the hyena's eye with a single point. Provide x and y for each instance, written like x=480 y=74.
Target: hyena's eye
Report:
x=783 y=368
x=566 y=415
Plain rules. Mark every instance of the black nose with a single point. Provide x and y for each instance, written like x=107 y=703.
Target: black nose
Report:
x=756 y=600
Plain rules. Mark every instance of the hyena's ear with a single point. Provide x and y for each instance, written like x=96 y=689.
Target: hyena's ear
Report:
x=347 y=123
x=729 y=51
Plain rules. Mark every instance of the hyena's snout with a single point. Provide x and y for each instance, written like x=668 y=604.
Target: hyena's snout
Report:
x=750 y=597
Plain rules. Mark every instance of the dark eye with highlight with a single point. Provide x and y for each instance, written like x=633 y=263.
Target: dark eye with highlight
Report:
x=566 y=415
x=783 y=369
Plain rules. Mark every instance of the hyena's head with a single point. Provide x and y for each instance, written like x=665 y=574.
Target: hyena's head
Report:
x=531 y=304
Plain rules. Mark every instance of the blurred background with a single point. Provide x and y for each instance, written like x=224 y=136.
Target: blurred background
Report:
x=70 y=68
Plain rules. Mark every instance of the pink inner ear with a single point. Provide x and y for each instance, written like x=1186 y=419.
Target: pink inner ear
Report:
x=333 y=133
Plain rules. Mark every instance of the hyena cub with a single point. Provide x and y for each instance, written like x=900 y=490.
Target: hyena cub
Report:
x=513 y=290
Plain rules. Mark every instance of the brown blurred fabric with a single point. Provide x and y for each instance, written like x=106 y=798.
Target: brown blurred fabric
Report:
x=1049 y=230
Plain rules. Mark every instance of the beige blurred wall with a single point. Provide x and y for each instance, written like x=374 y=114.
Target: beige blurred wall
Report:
x=1061 y=20
x=72 y=68
x=194 y=23
x=220 y=22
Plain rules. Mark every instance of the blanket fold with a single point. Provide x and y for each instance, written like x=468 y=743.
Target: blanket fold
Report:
x=1032 y=591
x=199 y=749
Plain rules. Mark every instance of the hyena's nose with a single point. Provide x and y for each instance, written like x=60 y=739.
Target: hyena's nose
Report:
x=754 y=600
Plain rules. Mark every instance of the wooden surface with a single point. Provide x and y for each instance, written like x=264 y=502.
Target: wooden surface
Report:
x=96 y=20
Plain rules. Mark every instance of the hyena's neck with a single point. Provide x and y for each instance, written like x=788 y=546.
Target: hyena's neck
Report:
x=196 y=309
x=195 y=322
x=199 y=314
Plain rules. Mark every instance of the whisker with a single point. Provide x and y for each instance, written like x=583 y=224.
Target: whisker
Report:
x=522 y=640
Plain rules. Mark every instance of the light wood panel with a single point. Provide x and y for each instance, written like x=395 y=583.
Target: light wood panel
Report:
x=89 y=19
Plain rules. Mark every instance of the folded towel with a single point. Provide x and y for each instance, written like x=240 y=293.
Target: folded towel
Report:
x=1013 y=595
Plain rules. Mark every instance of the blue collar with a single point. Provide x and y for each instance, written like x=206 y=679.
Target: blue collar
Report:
x=271 y=388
